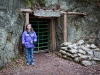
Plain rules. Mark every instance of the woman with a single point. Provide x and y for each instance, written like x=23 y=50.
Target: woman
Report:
x=29 y=38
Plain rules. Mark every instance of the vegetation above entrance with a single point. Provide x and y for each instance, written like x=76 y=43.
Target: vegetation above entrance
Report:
x=33 y=2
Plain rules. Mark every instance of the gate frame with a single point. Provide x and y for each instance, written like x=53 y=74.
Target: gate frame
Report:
x=52 y=31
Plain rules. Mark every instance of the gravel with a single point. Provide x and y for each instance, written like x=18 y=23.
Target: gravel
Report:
x=51 y=64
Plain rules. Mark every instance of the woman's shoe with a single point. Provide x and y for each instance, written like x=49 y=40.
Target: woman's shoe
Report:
x=32 y=64
x=27 y=64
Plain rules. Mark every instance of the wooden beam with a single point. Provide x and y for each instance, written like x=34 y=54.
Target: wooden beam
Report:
x=62 y=12
x=74 y=13
x=52 y=34
x=65 y=27
x=26 y=20
x=26 y=10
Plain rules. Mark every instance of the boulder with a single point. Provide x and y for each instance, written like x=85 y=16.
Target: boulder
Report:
x=93 y=62
x=73 y=51
x=59 y=54
x=80 y=42
x=76 y=59
x=64 y=48
x=75 y=46
x=64 y=56
x=72 y=55
x=86 y=63
x=62 y=52
x=89 y=52
x=66 y=44
x=96 y=59
x=84 y=57
x=96 y=54
x=1 y=64
x=70 y=46
x=93 y=46
x=97 y=49
x=82 y=51
x=84 y=48
x=87 y=45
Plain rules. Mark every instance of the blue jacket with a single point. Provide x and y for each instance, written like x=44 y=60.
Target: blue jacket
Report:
x=27 y=38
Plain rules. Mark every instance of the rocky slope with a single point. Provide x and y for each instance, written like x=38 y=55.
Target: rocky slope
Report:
x=11 y=27
x=78 y=26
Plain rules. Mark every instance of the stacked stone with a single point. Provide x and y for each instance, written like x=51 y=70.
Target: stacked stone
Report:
x=85 y=54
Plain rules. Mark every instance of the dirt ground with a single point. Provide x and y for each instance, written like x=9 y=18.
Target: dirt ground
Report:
x=51 y=64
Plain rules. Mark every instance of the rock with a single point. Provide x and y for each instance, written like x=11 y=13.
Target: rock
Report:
x=96 y=54
x=72 y=55
x=64 y=48
x=68 y=54
x=76 y=59
x=96 y=59
x=84 y=48
x=80 y=42
x=1 y=64
x=90 y=52
x=91 y=40
x=59 y=54
x=66 y=43
x=73 y=51
x=81 y=51
x=70 y=46
x=62 y=52
x=97 y=49
x=86 y=63
x=84 y=57
x=64 y=56
x=75 y=46
x=93 y=62
x=93 y=46
x=87 y=45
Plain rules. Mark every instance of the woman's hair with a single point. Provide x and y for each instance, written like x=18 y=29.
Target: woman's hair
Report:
x=31 y=27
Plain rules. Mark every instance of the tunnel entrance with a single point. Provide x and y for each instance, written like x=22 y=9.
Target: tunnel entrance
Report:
x=42 y=29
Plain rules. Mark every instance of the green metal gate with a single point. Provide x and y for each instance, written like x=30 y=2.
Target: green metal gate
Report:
x=41 y=27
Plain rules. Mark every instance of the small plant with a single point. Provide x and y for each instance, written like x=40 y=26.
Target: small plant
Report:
x=42 y=2
x=29 y=2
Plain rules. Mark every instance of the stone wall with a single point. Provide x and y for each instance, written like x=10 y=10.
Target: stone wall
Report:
x=78 y=26
x=80 y=52
x=11 y=27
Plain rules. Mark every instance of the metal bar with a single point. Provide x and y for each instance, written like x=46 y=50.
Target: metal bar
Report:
x=43 y=46
x=43 y=32
x=39 y=21
x=45 y=39
x=43 y=35
x=38 y=35
x=41 y=28
x=41 y=51
x=43 y=43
